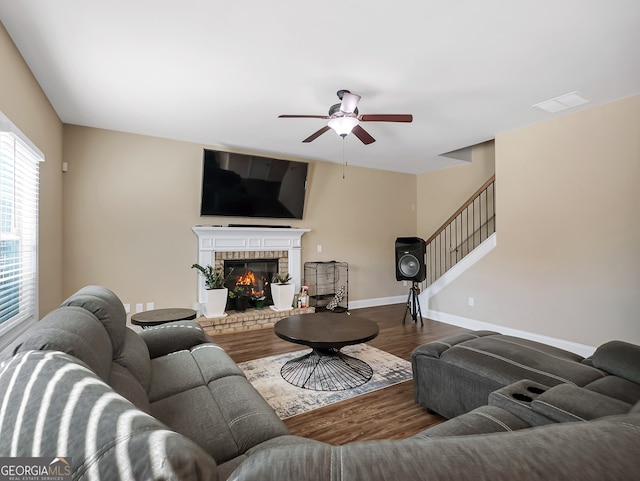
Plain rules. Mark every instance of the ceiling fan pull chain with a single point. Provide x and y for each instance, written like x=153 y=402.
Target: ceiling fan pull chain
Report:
x=344 y=161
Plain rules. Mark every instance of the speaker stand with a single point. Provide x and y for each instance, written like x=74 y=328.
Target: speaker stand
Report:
x=413 y=305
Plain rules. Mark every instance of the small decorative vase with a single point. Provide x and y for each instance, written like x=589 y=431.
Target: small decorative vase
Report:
x=216 y=302
x=242 y=302
x=282 y=295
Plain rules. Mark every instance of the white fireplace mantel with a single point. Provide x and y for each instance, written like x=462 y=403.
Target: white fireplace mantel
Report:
x=231 y=239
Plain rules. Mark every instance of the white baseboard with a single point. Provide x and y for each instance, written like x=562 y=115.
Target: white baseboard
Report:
x=475 y=325
x=580 y=349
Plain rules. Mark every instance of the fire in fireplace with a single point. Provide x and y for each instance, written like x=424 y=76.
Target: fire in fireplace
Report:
x=253 y=274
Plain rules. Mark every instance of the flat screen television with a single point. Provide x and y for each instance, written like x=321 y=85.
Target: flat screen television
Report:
x=243 y=185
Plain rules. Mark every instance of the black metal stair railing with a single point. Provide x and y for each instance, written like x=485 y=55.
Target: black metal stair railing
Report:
x=465 y=230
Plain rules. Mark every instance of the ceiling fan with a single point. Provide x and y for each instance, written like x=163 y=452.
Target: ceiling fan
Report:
x=345 y=119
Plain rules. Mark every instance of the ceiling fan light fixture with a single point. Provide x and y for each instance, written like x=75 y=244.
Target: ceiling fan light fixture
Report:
x=343 y=125
x=344 y=119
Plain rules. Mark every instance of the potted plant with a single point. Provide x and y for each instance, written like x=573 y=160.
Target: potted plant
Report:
x=240 y=296
x=258 y=301
x=282 y=292
x=214 y=280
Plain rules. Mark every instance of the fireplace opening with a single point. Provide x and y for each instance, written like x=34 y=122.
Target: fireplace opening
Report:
x=251 y=277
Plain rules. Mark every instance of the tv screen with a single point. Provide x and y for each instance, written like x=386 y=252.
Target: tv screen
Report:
x=242 y=185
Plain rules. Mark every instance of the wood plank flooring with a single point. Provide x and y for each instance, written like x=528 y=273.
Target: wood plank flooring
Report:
x=389 y=413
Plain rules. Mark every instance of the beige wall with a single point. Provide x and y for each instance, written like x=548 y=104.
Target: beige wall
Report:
x=130 y=202
x=442 y=192
x=24 y=103
x=567 y=261
x=567 y=264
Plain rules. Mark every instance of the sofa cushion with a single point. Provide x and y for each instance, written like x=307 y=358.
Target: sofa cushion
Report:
x=508 y=359
x=73 y=330
x=107 y=307
x=436 y=348
x=225 y=469
x=620 y=359
x=134 y=357
x=184 y=370
x=485 y=419
x=225 y=417
x=204 y=395
x=52 y=404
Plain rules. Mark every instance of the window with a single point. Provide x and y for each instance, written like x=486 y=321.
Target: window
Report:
x=19 y=180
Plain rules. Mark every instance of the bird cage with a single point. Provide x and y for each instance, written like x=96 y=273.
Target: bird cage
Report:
x=328 y=284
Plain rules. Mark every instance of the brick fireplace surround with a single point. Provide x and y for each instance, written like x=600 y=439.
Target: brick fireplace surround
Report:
x=215 y=244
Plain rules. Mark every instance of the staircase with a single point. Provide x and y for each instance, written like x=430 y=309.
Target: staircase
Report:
x=467 y=229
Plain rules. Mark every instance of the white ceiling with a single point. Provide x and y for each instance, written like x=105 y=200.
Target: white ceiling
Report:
x=219 y=73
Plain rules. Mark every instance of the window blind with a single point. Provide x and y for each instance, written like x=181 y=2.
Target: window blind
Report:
x=19 y=199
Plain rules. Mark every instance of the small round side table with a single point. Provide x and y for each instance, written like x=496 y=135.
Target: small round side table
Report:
x=156 y=317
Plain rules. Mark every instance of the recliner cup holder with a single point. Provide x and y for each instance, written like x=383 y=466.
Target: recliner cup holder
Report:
x=521 y=397
x=535 y=390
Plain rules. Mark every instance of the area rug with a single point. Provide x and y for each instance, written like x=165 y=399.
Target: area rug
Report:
x=288 y=400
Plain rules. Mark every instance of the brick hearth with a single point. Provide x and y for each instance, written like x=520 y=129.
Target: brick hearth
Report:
x=248 y=320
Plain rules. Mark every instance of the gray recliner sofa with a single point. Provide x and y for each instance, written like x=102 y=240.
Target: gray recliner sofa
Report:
x=168 y=404
x=82 y=384
x=455 y=375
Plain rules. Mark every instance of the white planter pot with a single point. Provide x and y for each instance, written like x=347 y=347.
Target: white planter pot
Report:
x=282 y=295
x=216 y=302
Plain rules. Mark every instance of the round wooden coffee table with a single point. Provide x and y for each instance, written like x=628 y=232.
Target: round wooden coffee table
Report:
x=325 y=368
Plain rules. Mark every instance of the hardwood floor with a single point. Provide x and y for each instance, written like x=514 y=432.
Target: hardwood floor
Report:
x=389 y=413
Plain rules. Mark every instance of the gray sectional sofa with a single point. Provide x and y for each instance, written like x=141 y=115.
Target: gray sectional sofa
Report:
x=455 y=375
x=169 y=404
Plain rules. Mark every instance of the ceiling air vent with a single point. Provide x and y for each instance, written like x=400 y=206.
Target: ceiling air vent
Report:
x=563 y=102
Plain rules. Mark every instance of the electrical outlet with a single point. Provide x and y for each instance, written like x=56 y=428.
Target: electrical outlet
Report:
x=127 y=308
x=139 y=307
x=150 y=306
x=405 y=283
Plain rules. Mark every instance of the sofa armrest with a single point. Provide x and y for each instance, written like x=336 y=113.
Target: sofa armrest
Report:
x=173 y=336
x=517 y=398
x=566 y=403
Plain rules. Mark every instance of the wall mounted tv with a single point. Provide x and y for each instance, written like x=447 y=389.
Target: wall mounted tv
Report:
x=242 y=185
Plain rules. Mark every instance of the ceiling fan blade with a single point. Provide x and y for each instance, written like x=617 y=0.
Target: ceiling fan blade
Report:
x=386 y=118
x=317 y=134
x=303 y=116
x=349 y=102
x=363 y=135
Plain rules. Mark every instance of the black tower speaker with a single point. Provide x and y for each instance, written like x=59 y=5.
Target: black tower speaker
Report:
x=410 y=255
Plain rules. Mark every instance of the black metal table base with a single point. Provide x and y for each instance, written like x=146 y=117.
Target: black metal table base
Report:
x=326 y=370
